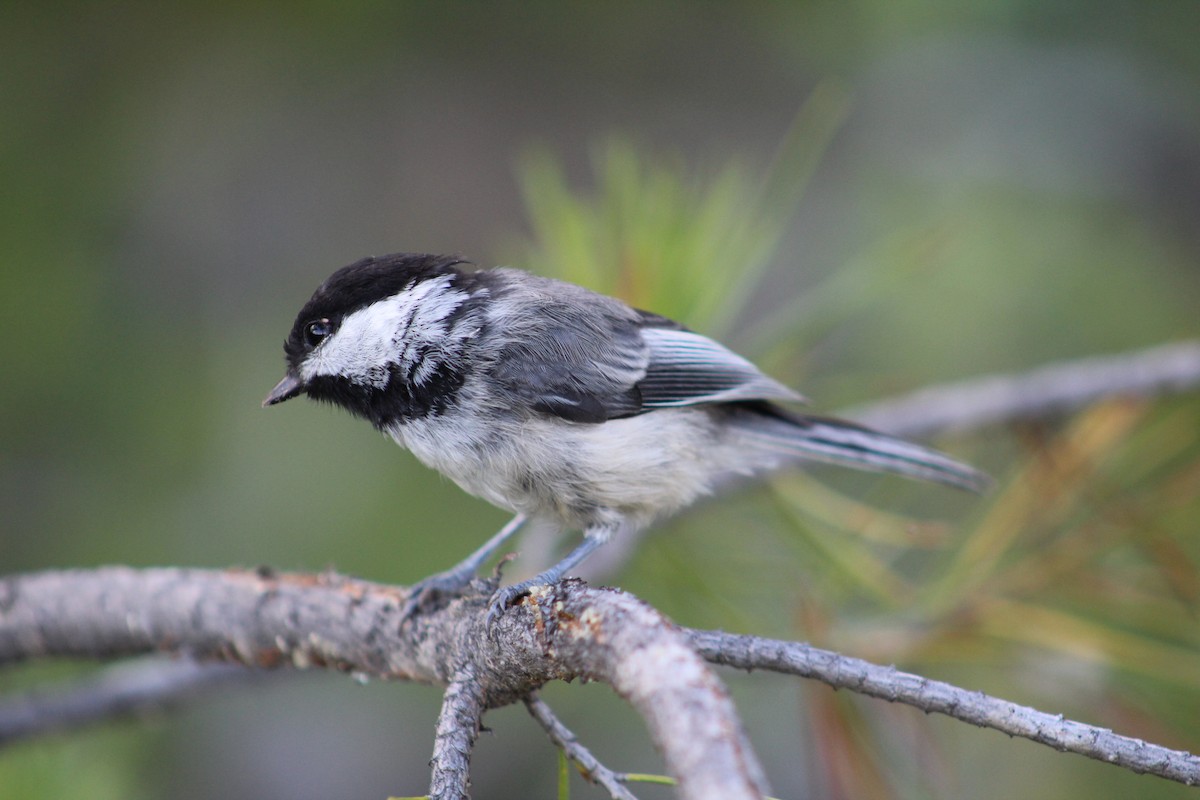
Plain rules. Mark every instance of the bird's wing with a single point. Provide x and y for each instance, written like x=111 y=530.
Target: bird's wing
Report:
x=590 y=362
x=687 y=369
x=580 y=360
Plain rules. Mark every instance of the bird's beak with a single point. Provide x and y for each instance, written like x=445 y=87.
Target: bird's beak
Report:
x=286 y=389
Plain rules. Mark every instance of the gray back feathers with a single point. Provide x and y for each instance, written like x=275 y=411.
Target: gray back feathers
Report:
x=586 y=357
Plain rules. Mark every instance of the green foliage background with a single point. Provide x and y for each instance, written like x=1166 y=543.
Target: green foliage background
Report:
x=864 y=197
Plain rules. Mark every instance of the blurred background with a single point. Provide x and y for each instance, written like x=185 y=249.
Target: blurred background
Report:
x=866 y=197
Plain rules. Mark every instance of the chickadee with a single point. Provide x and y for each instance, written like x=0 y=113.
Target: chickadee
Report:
x=557 y=403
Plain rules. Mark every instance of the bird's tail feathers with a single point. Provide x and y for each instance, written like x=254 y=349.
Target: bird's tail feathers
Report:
x=797 y=436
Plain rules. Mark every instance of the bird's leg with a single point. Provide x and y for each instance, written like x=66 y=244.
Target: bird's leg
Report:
x=454 y=580
x=505 y=596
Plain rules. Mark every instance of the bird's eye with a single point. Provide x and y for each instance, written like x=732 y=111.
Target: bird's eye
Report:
x=316 y=331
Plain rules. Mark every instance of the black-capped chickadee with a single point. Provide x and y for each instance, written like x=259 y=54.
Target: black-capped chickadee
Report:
x=557 y=403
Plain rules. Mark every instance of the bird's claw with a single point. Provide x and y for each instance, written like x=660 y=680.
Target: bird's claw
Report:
x=504 y=597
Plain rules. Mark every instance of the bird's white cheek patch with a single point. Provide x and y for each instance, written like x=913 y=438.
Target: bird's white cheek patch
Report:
x=372 y=339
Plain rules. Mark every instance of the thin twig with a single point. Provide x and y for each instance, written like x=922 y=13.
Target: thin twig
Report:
x=125 y=690
x=1051 y=389
x=977 y=708
x=564 y=738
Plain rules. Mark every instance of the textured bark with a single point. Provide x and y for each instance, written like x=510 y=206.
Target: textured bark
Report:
x=977 y=708
x=268 y=620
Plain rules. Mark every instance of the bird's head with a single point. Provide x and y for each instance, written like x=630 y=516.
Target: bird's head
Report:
x=379 y=337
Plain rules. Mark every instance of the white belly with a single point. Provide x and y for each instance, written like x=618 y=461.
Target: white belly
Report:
x=628 y=470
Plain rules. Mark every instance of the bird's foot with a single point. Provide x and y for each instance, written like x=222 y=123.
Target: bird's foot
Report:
x=504 y=597
x=426 y=592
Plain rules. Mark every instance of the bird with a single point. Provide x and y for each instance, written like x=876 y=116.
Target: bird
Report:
x=557 y=403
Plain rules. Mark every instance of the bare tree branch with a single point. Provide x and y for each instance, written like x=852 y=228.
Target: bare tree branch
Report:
x=133 y=689
x=1046 y=390
x=563 y=632
x=977 y=708
x=124 y=690
x=263 y=619
x=649 y=662
x=565 y=740
x=457 y=728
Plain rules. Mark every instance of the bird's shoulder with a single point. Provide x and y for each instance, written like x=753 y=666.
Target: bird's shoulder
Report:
x=562 y=349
